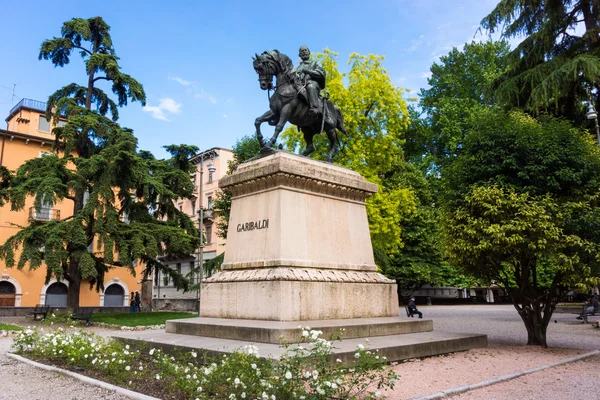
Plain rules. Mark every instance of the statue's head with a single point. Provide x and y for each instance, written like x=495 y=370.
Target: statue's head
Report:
x=304 y=53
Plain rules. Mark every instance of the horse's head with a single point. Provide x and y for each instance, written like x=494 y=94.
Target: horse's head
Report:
x=269 y=64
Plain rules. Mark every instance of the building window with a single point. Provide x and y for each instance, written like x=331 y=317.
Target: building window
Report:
x=210 y=203
x=210 y=177
x=44 y=124
x=193 y=207
x=61 y=123
x=209 y=234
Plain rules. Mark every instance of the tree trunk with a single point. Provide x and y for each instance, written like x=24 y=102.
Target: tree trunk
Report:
x=536 y=317
x=74 y=286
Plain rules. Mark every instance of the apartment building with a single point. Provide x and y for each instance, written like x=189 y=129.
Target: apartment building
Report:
x=29 y=135
x=211 y=165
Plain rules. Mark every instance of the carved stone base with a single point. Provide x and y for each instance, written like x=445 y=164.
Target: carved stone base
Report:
x=298 y=246
x=284 y=300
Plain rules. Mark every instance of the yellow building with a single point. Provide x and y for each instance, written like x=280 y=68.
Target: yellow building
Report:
x=219 y=158
x=28 y=135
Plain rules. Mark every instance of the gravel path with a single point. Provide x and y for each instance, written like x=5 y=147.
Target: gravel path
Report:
x=21 y=381
x=507 y=354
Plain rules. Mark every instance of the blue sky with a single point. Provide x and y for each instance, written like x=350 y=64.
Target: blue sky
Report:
x=194 y=57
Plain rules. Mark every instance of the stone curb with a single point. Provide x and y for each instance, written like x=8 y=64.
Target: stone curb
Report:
x=117 y=389
x=503 y=378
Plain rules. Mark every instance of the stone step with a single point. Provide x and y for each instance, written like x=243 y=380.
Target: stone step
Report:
x=394 y=347
x=277 y=332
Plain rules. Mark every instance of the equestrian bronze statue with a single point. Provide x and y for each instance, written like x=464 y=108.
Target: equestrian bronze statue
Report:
x=297 y=99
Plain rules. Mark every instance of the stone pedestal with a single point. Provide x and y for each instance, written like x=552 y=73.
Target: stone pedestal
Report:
x=298 y=246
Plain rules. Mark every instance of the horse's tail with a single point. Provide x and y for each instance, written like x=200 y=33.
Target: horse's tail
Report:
x=339 y=120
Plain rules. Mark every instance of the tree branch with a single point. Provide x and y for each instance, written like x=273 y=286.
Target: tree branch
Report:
x=102 y=77
x=84 y=49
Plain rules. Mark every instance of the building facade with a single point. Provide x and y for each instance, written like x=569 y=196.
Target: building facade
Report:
x=29 y=135
x=207 y=183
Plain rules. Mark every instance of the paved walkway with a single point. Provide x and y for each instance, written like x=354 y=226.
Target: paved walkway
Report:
x=507 y=337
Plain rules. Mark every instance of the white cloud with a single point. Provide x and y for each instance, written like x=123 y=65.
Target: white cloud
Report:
x=225 y=116
x=426 y=75
x=414 y=44
x=167 y=105
x=180 y=80
x=203 y=95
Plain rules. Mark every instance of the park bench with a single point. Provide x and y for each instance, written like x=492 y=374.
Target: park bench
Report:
x=82 y=315
x=408 y=313
x=585 y=314
x=40 y=309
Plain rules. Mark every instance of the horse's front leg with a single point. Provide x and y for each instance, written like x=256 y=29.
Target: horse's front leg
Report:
x=284 y=116
x=258 y=121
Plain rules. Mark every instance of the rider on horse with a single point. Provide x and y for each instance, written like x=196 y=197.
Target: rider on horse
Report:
x=310 y=80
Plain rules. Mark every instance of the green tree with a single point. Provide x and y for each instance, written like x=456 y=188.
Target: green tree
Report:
x=376 y=119
x=552 y=68
x=523 y=208
x=122 y=198
x=460 y=87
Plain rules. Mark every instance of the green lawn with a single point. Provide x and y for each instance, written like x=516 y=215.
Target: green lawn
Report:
x=139 y=318
x=7 y=327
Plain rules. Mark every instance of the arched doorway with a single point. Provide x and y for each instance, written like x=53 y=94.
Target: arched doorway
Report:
x=8 y=294
x=56 y=295
x=114 y=296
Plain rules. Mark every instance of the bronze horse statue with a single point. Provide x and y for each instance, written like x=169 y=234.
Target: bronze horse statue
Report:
x=287 y=105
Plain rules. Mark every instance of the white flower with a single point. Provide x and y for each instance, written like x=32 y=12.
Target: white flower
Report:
x=127 y=346
x=377 y=394
x=236 y=381
x=360 y=347
x=315 y=374
x=152 y=351
x=253 y=366
x=127 y=368
x=243 y=395
x=334 y=386
x=130 y=382
x=356 y=355
x=199 y=389
x=320 y=391
x=157 y=376
x=288 y=375
x=194 y=354
x=141 y=368
x=338 y=360
x=232 y=396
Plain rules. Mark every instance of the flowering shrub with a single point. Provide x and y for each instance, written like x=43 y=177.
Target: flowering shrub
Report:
x=306 y=370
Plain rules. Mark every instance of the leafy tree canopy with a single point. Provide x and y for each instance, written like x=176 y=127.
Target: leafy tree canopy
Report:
x=553 y=68
x=523 y=208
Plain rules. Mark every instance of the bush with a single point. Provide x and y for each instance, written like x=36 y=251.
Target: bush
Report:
x=305 y=370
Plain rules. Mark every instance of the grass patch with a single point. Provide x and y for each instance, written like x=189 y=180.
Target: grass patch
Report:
x=8 y=327
x=139 y=318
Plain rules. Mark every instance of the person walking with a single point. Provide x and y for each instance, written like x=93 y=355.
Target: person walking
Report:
x=138 y=301
x=132 y=306
x=412 y=308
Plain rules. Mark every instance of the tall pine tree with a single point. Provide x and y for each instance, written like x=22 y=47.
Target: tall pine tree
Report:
x=123 y=209
x=553 y=68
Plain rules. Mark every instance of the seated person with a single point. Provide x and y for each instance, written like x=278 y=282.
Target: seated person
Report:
x=412 y=308
x=588 y=308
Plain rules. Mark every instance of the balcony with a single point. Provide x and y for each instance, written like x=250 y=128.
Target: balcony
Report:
x=29 y=103
x=44 y=214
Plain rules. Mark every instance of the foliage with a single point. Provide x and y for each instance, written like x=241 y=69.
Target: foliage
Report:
x=460 y=89
x=420 y=258
x=552 y=69
x=123 y=210
x=10 y=328
x=523 y=208
x=304 y=371
x=376 y=118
